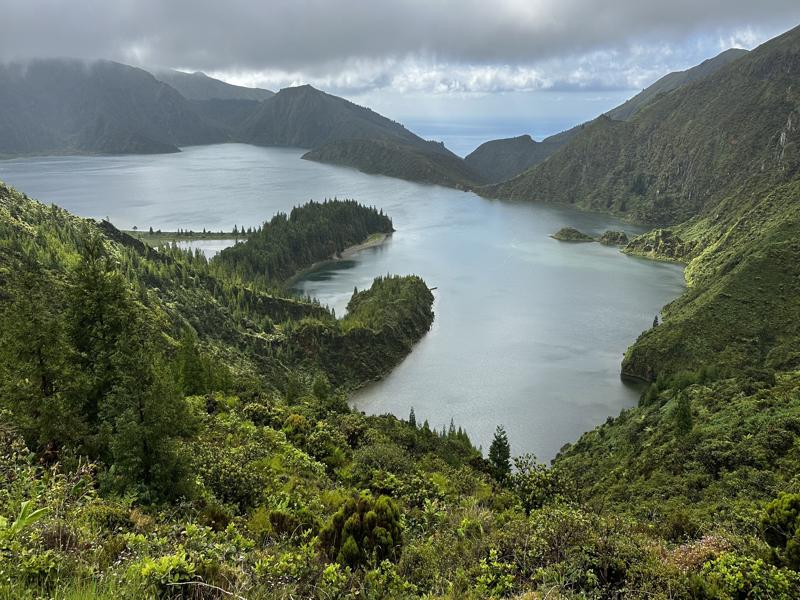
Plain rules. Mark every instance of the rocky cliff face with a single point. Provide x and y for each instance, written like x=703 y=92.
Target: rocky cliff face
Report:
x=613 y=238
x=661 y=244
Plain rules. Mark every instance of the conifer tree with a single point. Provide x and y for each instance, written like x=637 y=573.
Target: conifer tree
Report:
x=193 y=375
x=39 y=383
x=683 y=414
x=500 y=454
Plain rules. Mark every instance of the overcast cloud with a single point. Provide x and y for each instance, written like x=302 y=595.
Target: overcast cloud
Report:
x=429 y=46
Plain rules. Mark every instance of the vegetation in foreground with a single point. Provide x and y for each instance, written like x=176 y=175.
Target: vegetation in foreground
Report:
x=172 y=429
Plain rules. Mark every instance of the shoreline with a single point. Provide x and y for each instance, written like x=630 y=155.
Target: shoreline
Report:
x=373 y=241
x=156 y=238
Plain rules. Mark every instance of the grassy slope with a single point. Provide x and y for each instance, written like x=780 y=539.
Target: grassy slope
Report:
x=500 y=160
x=673 y=81
x=739 y=453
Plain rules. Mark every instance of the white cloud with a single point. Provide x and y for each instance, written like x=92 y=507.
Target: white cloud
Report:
x=436 y=46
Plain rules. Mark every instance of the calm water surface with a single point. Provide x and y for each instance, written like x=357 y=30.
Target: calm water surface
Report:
x=529 y=332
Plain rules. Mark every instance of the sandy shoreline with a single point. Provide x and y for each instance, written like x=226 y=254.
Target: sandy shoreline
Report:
x=374 y=240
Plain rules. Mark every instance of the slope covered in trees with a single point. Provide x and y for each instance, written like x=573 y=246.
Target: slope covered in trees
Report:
x=713 y=441
x=305 y=117
x=430 y=163
x=192 y=430
x=340 y=132
x=308 y=234
x=672 y=81
x=67 y=106
x=499 y=160
x=687 y=150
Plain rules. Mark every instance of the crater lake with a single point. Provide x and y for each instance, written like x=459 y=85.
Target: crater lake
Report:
x=529 y=332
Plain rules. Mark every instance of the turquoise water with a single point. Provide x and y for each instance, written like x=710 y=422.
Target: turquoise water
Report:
x=529 y=332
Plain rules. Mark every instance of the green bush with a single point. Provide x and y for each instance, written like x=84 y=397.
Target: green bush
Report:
x=362 y=529
x=165 y=572
x=733 y=576
x=781 y=526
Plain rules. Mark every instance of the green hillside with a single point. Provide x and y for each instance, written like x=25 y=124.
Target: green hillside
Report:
x=420 y=163
x=673 y=81
x=172 y=427
x=62 y=106
x=499 y=160
x=687 y=150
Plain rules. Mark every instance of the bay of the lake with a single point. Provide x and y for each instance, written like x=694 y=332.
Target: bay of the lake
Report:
x=529 y=332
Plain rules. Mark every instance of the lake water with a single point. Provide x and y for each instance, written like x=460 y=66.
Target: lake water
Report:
x=529 y=332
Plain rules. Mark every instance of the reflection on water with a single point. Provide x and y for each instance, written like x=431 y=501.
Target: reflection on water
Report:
x=208 y=247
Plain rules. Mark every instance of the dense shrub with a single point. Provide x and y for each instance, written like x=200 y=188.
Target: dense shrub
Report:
x=363 y=529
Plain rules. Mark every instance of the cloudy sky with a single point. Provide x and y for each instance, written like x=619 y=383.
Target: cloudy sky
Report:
x=544 y=64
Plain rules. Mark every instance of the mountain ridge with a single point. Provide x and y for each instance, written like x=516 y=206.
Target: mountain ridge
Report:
x=199 y=86
x=737 y=123
x=503 y=159
x=71 y=106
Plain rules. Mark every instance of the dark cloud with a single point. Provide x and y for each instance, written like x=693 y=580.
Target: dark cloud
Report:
x=502 y=41
x=295 y=34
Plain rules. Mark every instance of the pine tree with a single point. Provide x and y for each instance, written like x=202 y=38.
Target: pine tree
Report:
x=683 y=415
x=98 y=315
x=321 y=388
x=500 y=454
x=412 y=418
x=655 y=321
x=145 y=415
x=133 y=409
x=193 y=376
x=39 y=384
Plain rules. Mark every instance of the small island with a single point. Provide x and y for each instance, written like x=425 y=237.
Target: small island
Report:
x=570 y=234
x=613 y=238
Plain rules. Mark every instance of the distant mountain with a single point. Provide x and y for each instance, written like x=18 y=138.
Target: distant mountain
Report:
x=677 y=156
x=499 y=160
x=423 y=164
x=68 y=106
x=61 y=106
x=305 y=117
x=199 y=86
x=341 y=132
x=673 y=81
x=229 y=115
